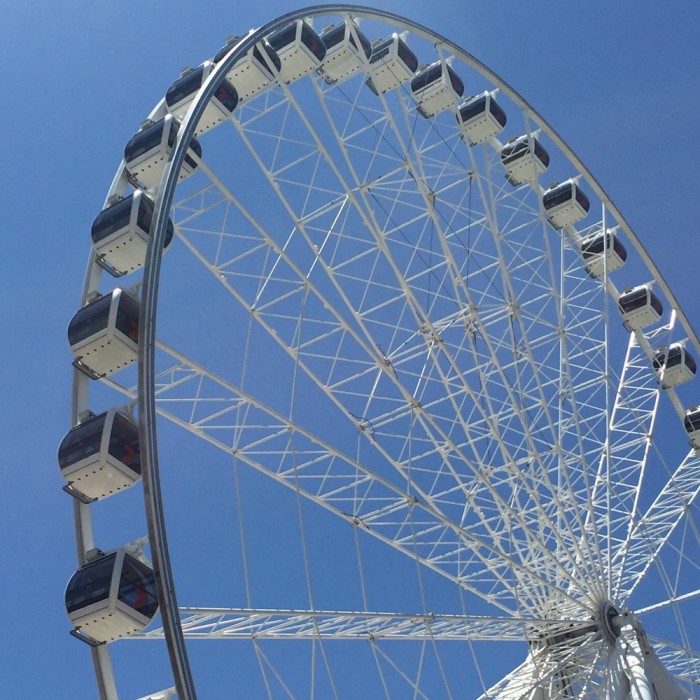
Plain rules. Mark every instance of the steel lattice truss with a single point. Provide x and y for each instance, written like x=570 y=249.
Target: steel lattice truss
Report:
x=458 y=384
x=303 y=624
x=481 y=400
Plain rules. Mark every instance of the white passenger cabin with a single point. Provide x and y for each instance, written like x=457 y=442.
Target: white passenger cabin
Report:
x=436 y=88
x=254 y=72
x=103 y=335
x=110 y=597
x=120 y=233
x=565 y=204
x=674 y=365
x=524 y=159
x=603 y=252
x=480 y=118
x=182 y=93
x=392 y=63
x=147 y=152
x=299 y=48
x=692 y=426
x=100 y=456
x=639 y=307
x=347 y=51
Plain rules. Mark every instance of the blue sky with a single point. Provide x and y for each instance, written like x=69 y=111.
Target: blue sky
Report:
x=618 y=81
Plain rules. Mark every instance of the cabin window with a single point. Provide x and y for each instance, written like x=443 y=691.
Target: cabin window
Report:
x=81 y=442
x=541 y=154
x=497 y=112
x=426 y=77
x=312 y=41
x=407 y=56
x=514 y=151
x=197 y=149
x=185 y=86
x=334 y=36
x=283 y=37
x=599 y=244
x=221 y=53
x=144 y=141
x=91 y=319
x=137 y=587
x=692 y=421
x=639 y=298
x=596 y=246
x=455 y=81
x=128 y=318
x=676 y=356
x=473 y=108
x=582 y=199
x=90 y=584
x=380 y=52
x=634 y=300
x=112 y=219
x=227 y=96
x=364 y=41
x=558 y=195
x=124 y=443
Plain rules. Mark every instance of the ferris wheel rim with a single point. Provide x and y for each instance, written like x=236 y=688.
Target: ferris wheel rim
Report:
x=164 y=200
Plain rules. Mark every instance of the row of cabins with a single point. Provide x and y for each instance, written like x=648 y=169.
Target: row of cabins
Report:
x=114 y=594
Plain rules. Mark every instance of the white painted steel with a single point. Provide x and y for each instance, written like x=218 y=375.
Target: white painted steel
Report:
x=453 y=386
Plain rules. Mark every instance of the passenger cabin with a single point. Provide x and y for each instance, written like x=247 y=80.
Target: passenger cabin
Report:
x=392 y=63
x=436 y=88
x=100 y=456
x=111 y=597
x=603 y=252
x=674 y=365
x=524 y=159
x=182 y=93
x=692 y=426
x=299 y=48
x=565 y=204
x=347 y=51
x=103 y=335
x=254 y=72
x=120 y=233
x=480 y=118
x=147 y=152
x=639 y=307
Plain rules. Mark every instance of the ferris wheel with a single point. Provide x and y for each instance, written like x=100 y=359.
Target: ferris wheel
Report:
x=415 y=404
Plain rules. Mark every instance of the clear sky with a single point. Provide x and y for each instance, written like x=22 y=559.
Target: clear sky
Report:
x=618 y=81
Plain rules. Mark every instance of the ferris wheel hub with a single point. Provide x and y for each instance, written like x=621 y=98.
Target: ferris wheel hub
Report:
x=612 y=621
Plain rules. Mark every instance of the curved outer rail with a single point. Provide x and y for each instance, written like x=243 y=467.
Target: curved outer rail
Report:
x=150 y=286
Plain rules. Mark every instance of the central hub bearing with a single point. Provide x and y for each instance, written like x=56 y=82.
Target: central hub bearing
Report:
x=610 y=622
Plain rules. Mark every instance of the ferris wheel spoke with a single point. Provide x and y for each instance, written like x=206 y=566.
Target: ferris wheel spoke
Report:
x=574 y=670
x=215 y=410
x=329 y=329
x=213 y=623
x=653 y=529
x=682 y=663
x=516 y=397
x=453 y=280
x=621 y=462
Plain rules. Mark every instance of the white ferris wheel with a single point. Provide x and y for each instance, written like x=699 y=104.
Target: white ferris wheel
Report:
x=412 y=399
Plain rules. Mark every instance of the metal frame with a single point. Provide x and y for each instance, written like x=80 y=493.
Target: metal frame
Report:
x=553 y=481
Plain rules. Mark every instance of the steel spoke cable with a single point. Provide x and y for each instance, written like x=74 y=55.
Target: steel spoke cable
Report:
x=458 y=279
x=301 y=276
x=505 y=277
x=418 y=316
